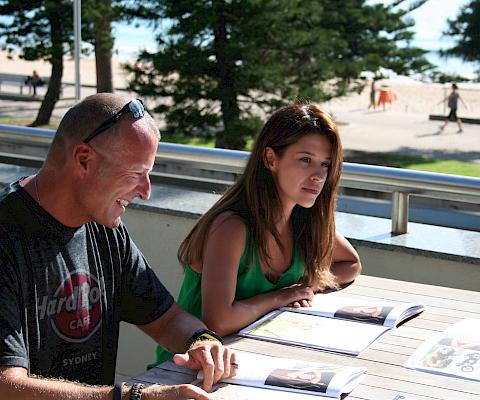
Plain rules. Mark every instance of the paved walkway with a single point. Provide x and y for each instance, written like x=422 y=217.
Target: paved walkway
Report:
x=392 y=130
x=408 y=133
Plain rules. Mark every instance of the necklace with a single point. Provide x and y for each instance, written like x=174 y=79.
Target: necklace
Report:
x=35 y=179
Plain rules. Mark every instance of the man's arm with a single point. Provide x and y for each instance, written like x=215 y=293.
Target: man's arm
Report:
x=15 y=384
x=173 y=329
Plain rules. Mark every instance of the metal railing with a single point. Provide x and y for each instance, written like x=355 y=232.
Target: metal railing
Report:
x=401 y=183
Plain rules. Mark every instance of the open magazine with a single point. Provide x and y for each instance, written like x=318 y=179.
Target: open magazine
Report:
x=333 y=323
x=302 y=377
x=454 y=353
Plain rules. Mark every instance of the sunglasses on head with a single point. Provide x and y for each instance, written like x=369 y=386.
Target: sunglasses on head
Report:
x=135 y=107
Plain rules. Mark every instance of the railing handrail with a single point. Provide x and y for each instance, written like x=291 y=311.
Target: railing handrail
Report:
x=400 y=182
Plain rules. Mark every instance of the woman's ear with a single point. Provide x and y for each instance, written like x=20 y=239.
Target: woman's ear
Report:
x=269 y=159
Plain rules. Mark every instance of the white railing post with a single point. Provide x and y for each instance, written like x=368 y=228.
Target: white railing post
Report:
x=400 y=212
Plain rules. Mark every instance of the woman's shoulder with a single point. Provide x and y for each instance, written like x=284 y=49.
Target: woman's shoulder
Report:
x=229 y=222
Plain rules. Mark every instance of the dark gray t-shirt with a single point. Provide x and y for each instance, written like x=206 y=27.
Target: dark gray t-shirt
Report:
x=64 y=291
x=453 y=100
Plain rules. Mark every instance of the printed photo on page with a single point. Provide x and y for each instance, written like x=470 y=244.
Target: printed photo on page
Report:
x=381 y=313
x=286 y=375
x=455 y=353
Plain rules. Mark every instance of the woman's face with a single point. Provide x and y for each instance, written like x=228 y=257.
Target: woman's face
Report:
x=301 y=171
x=371 y=311
x=306 y=376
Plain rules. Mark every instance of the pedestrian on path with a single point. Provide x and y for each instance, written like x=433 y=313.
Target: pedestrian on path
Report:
x=372 y=95
x=387 y=95
x=452 y=99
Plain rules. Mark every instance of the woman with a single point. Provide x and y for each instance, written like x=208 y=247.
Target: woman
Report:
x=270 y=240
x=452 y=100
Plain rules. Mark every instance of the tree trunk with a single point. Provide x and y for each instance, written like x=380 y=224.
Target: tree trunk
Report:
x=103 y=47
x=232 y=137
x=54 y=85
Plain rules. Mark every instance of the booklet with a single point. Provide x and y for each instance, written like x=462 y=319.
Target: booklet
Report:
x=333 y=323
x=454 y=353
x=287 y=375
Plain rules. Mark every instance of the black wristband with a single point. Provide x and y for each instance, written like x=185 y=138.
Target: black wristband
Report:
x=203 y=334
x=136 y=391
x=117 y=390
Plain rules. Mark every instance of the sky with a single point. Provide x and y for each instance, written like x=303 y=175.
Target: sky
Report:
x=430 y=22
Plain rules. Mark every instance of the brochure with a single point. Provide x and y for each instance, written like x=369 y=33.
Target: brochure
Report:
x=333 y=306
x=333 y=323
x=454 y=353
x=286 y=375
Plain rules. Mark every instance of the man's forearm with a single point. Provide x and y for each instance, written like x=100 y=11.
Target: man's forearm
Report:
x=15 y=384
x=173 y=329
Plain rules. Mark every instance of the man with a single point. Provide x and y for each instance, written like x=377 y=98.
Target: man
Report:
x=69 y=271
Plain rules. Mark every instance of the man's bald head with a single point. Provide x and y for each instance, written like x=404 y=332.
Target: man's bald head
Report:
x=84 y=117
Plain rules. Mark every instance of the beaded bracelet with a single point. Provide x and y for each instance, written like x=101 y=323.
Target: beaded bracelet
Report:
x=136 y=391
x=203 y=334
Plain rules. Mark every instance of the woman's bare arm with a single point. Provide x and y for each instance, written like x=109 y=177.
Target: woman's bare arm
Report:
x=346 y=264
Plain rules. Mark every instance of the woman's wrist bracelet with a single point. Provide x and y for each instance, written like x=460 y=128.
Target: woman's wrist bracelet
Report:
x=203 y=334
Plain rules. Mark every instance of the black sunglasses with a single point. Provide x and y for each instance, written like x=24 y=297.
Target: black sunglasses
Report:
x=135 y=107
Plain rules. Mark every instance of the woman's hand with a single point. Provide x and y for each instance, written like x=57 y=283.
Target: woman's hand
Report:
x=297 y=295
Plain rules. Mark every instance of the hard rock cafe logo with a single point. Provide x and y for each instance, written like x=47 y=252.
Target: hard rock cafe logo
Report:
x=75 y=311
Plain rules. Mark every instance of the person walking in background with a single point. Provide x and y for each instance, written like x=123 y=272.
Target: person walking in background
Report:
x=386 y=96
x=270 y=241
x=452 y=100
x=372 y=95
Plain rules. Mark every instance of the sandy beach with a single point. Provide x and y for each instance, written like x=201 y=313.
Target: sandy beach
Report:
x=403 y=127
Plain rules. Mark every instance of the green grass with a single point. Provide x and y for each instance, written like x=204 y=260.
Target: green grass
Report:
x=14 y=121
x=25 y=122
x=448 y=167
x=452 y=167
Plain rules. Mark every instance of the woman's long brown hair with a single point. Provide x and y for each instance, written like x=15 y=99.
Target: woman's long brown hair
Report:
x=255 y=199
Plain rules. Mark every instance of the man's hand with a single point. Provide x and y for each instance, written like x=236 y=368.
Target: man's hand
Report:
x=176 y=392
x=215 y=360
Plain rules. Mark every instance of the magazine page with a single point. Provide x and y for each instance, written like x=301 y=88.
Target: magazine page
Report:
x=286 y=375
x=315 y=332
x=223 y=391
x=385 y=313
x=455 y=353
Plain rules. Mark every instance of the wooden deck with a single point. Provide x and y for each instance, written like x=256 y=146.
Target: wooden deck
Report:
x=384 y=359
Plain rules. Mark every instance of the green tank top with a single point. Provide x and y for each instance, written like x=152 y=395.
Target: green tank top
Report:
x=250 y=282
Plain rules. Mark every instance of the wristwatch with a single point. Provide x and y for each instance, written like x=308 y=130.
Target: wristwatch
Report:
x=203 y=334
x=117 y=390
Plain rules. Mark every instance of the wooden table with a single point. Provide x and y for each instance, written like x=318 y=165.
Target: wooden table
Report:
x=384 y=359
